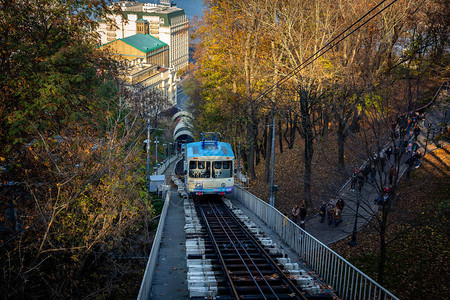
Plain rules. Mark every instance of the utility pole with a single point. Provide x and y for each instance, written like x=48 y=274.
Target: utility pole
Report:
x=148 y=153
x=239 y=156
x=272 y=195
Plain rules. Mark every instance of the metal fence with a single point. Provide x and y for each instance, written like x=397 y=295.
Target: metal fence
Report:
x=164 y=165
x=146 y=285
x=346 y=279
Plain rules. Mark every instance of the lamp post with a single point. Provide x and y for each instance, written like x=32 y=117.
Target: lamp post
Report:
x=170 y=149
x=272 y=188
x=156 y=150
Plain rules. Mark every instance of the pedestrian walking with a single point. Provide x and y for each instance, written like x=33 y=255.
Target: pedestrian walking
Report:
x=360 y=181
x=354 y=179
x=302 y=216
x=382 y=160
x=340 y=203
x=416 y=132
x=410 y=163
x=391 y=174
x=366 y=172
x=373 y=173
x=389 y=153
x=337 y=216
x=295 y=213
x=417 y=157
x=330 y=214
x=323 y=211
x=396 y=154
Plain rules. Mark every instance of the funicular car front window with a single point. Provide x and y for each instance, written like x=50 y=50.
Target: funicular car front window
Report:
x=222 y=169
x=193 y=172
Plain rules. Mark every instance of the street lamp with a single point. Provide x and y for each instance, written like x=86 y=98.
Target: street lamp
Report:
x=170 y=149
x=272 y=187
x=156 y=150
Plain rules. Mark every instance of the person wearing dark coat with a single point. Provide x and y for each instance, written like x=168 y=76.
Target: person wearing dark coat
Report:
x=416 y=132
x=366 y=171
x=354 y=179
x=340 y=203
x=295 y=213
x=389 y=153
x=323 y=211
x=410 y=164
x=391 y=174
x=360 y=181
x=302 y=216
x=373 y=173
x=396 y=154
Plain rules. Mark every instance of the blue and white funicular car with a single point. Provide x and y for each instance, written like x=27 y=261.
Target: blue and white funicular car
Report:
x=209 y=166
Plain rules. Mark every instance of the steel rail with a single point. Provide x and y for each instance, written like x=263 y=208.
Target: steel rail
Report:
x=221 y=212
x=267 y=256
x=219 y=254
x=246 y=252
x=234 y=246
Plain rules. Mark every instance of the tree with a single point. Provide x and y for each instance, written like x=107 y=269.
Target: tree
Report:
x=67 y=147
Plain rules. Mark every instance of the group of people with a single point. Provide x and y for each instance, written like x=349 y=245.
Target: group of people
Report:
x=299 y=212
x=332 y=211
x=406 y=130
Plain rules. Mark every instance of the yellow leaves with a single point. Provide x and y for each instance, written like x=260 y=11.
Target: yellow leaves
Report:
x=2 y=159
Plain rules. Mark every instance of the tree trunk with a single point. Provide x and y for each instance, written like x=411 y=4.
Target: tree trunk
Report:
x=341 y=137
x=382 y=262
x=309 y=151
x=280 y=137
x=309 y=146
x=325 y=128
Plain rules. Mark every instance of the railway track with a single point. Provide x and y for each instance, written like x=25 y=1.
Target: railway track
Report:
x=249 y=271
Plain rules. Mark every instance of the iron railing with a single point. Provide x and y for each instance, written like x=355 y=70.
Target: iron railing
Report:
x=346 y=279
x=165 y=164
x=146 y=284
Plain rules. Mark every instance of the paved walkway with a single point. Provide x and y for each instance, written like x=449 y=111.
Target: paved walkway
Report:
x=170 y=272
x=328 y=234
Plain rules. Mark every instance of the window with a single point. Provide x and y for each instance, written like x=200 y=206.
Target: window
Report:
x=222 y=169
x=200 y=169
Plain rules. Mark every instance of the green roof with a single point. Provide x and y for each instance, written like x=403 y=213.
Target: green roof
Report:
x=144 y=42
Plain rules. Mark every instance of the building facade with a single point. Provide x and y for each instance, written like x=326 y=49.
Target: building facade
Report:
x=143 y=58
x=163 y=21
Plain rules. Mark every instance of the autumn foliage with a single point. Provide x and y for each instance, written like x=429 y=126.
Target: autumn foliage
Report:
x=72 y=188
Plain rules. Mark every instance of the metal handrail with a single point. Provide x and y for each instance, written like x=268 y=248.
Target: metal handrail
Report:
x=162 y=168
x=146 y=284
x=347 y=280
